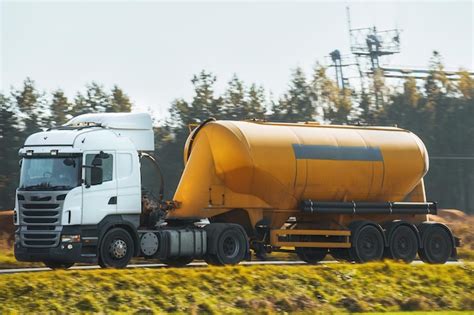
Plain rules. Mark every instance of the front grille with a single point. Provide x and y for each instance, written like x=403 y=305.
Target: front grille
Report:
x=40 y=205
x=40 y=218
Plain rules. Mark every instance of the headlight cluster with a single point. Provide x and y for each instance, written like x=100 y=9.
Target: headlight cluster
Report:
x=71 y=238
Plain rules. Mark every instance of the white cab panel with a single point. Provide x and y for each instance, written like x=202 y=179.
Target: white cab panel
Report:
x=97 y=200
x=128 y=183
x=73 y=206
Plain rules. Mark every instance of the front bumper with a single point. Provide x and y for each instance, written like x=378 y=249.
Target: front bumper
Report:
x=84 y=251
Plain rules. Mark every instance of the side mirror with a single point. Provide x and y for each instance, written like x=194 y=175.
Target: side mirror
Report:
x=103 y=155
x=97 y=161
x=96 y=175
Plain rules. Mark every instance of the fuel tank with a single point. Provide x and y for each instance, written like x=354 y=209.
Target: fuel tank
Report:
x=245 y=164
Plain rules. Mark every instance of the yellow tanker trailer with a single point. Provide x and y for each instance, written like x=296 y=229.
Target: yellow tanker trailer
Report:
x=355 y=192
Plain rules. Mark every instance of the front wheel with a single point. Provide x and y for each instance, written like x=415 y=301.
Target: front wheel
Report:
x=58 y=264
x=116 y=249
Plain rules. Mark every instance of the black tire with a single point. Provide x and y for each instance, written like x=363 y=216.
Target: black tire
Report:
x=58 y=264
x=437 y=243
x=177 y=262
x=341 y=254
x=311 y=255
x=402 y=244
x=231 y=247
x=116 y=249
x=211 y=260
x=367 y=243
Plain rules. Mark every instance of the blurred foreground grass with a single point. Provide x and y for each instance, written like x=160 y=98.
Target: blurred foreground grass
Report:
x=375 y=287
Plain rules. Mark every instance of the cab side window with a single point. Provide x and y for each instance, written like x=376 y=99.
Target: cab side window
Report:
x=107 y=167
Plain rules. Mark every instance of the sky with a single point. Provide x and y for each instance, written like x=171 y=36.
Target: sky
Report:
x=152 y=49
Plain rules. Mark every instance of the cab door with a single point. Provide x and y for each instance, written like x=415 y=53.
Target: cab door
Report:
x=99 y=200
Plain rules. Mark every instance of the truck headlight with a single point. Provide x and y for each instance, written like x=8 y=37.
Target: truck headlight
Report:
x=71 y=238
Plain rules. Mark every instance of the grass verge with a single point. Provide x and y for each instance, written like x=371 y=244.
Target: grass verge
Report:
x=375 y=287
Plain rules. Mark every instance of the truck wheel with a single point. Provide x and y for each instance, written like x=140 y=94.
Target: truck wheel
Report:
x=177 y=262
x=116 y=249
x=437 y=244
x=211 y=260
x=231 y=247
x=402 y=244
x=311 y=255
x=58 y=264
x=367 y=243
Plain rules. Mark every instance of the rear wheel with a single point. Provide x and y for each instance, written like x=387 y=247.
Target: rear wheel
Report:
x=116 y=249
x=231 y=246
x=367 y=243
x=58 y=264
x=311 y=255
x=403 y=244
x=437 y=243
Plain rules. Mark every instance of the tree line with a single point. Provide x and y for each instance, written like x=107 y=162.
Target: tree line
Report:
x=440 y=111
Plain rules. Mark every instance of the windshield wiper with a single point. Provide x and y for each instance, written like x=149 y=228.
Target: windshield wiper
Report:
x=60 y=187
x=44 y=186
x=36 y=187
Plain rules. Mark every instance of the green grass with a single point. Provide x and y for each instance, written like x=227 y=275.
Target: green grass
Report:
x=8 y=260
x=375 y=287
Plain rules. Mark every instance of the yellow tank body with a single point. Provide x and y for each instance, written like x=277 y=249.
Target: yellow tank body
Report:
x=266 y=169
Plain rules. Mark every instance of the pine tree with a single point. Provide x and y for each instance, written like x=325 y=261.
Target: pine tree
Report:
x=336 y=103
x=28 y=103
x=9 y=142
x=80 y=105
x=297 y=104
x=60 y=108
x=366 y=114
x=203 y=105
x=256 y=102
x=466 y=85
x=119 y=101
x=235 y=103
x=97 y=99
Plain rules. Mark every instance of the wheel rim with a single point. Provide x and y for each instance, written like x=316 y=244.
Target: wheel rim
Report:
x=437 y=246
x=118 y=249
x=404 y=244
x=230 y=247
x=369 y=245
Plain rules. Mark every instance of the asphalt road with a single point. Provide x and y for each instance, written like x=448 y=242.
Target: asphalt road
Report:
x=193 y=265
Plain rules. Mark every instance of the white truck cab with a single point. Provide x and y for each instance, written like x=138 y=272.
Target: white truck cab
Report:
x=79 y=182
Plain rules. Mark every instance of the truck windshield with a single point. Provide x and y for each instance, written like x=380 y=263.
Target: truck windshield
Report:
x=50 y=173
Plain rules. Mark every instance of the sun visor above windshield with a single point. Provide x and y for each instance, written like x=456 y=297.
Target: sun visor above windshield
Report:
x=130 y=121
x=137 y=127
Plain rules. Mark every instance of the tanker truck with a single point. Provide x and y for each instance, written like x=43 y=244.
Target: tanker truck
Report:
x=91 y=191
